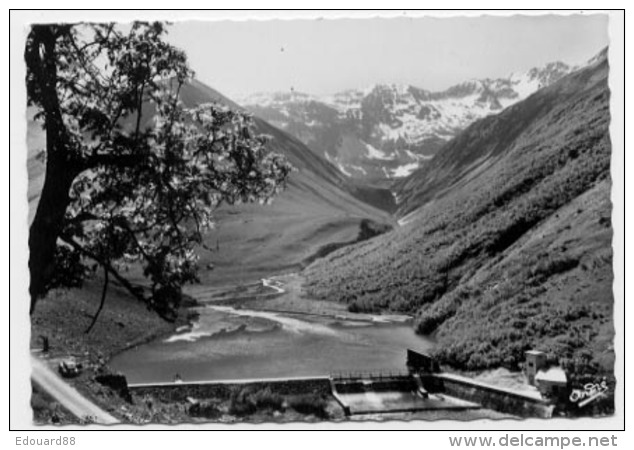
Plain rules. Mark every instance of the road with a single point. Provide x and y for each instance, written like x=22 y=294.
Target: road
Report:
x=273 y=284
x=66 y=395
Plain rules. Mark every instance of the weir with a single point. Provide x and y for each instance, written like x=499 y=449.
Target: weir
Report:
x=385 y=392
x=422 y=387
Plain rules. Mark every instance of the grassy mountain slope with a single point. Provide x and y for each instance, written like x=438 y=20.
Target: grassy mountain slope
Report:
x=506 y=242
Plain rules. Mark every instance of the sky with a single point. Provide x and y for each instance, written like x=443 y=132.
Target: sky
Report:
x=323 y=56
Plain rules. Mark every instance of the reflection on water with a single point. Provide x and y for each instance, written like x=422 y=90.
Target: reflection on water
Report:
x=228 y=343
x=288 y=323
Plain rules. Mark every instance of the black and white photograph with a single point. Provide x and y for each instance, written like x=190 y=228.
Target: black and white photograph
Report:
x=320 y=220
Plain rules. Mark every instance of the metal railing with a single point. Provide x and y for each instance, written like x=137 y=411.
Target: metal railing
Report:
x=375 y=374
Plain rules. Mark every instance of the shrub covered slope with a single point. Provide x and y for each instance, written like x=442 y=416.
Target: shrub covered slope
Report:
x=505 y=242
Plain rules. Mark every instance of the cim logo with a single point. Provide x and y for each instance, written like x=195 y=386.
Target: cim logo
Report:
x=589 y=393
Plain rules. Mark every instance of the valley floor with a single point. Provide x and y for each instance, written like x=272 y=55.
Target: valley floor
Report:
x=284 y=294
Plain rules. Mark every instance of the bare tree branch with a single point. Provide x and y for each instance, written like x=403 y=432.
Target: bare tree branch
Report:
x=103 y=300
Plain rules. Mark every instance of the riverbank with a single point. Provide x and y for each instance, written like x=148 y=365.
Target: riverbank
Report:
x=64 y=315
x=285 y=294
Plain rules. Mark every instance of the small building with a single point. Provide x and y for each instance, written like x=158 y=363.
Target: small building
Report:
x=535 y=361
x=421 y=362
x=552 y=383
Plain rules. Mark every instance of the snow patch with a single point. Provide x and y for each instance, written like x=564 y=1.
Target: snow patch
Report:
x=374 y=153
x=397 y=198
x=523 y=86
x=418 y=157
x=405 y=170
x=337 y=164
x=343 y=170
x=357 y=168
x=407 y=219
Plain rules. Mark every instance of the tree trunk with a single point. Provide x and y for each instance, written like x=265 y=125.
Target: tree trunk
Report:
x=46 y=227
x=61 y=169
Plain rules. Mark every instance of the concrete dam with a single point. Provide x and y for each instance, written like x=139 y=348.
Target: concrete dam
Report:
x=422 y=388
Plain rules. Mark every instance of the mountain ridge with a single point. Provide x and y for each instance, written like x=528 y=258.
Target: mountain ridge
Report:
x=383 y=133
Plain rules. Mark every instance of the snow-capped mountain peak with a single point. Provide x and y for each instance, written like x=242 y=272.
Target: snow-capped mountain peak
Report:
x=275 y=98
x=386 y=131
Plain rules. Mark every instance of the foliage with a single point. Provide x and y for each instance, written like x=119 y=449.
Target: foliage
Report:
x=310 y=404
x=250 y=400
x=133 y=176
x=208 y=409
x=247 y=401
x=47 y=411
x=367 y=230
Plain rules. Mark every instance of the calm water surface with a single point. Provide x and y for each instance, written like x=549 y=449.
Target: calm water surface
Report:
x=228 y=343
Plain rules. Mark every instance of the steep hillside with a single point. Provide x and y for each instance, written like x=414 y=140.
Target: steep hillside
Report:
x=506 y=237
x=385 y=132
x=317 y=209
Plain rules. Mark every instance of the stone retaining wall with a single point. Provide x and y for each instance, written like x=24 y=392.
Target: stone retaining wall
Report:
x=178 y=392
x=492 y=397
